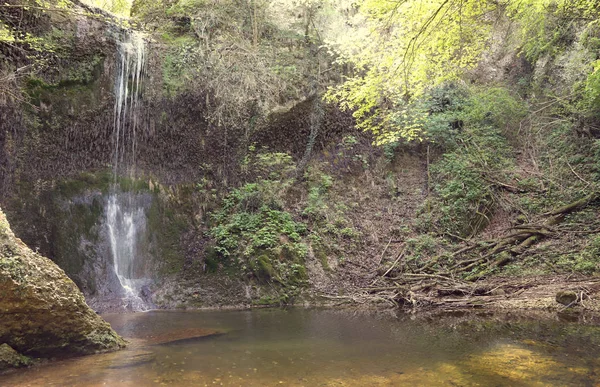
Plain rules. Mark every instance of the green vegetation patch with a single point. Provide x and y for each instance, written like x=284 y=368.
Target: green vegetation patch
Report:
x=255 y=234
x=253 y=229
x=477 y=157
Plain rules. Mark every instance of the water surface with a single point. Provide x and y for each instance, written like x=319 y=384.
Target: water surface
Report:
x=302 y=347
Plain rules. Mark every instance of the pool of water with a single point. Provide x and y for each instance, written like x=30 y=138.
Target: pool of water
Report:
x=313 y=347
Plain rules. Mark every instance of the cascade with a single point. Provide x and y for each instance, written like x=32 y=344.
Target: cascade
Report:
x=126 y=219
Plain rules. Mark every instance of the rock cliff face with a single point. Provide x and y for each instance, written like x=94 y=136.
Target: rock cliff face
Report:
x=57 y=151
x=42 y=312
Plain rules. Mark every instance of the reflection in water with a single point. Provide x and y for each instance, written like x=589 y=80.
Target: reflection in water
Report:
x=331 y=348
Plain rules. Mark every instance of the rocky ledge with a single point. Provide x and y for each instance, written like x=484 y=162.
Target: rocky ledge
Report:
x=42 y=312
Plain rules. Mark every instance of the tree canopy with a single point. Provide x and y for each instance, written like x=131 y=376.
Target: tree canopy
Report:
x=399 y=49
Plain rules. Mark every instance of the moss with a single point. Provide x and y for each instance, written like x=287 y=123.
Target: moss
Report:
x=299 y=275
x=34 y=285
x=9 y=358
x=273 y=300
x=321 y=255
x=566 y=297
x=133 y=185
x=82 y=72
x=166 y=225
x=12 y=265
x=100 y=181
x=211 y=259
x=74 y=84
x=266 y=301
x=78 y=221
x=262 y=268
x=86 y=181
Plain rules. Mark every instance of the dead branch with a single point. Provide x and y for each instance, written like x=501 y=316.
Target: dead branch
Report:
x=415 y=288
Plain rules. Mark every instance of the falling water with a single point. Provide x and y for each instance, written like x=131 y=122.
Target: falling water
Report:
x=130 y=70
x=125 y=221
x=126 y=218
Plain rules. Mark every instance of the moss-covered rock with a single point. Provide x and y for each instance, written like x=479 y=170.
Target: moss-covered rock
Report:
x=42 y=312
x=566 y=297
x=9 y=358
x=262 y=268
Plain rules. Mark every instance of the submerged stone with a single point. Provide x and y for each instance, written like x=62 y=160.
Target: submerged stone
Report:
x=179 y=335
x=42 y=312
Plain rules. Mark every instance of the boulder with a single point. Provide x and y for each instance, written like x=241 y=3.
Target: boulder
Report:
x=42 y=312
x=566 y=297
x=9 y=358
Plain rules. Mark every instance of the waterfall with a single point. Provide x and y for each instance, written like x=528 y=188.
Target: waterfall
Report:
x=130 y=70
x=126 y=218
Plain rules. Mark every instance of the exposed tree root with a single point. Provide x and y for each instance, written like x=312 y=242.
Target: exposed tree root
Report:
x=516 y=242
x=438 y=283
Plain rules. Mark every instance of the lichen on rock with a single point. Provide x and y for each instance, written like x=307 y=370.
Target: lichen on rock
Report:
x=42 y=312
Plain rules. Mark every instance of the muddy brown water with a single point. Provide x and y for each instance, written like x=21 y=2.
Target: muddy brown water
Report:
x=312 y=347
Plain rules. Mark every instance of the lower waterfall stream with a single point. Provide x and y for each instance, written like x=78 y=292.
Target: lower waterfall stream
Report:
x=126 y=221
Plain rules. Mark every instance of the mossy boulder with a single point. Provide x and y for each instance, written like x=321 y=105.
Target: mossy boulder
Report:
x=42 y=312
x=566 y=297
x=9 y=358
x=262 y=268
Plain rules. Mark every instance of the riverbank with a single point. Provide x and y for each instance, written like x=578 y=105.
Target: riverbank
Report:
x=564 y=293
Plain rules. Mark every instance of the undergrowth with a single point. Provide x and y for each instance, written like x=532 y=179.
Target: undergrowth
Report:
x=254 y=233
x=472 y=129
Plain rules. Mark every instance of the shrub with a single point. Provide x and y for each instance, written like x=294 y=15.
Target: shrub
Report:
x=252 y=232
x=465 y=177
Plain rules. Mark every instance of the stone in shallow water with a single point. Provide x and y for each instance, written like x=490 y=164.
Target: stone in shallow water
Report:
x=42 y=312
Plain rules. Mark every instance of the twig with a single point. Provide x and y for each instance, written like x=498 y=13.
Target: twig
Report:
x=383 y=252
x=579 y=177
x=424 y=276
x=459 y=238
x=395 y=262
x=581 y=232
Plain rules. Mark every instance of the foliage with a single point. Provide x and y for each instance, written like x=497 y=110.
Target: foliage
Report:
x=117 y=7
x=547 y=26
x=466 y=178
x=246 y=57
x=591 y=94
x=319 y=184
x=275 y=166
x=37 y=40
x=399 y=49
x=247 y=225
x=569 y=166
x=422 y=246
x=252 y=230
x=587 y=261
